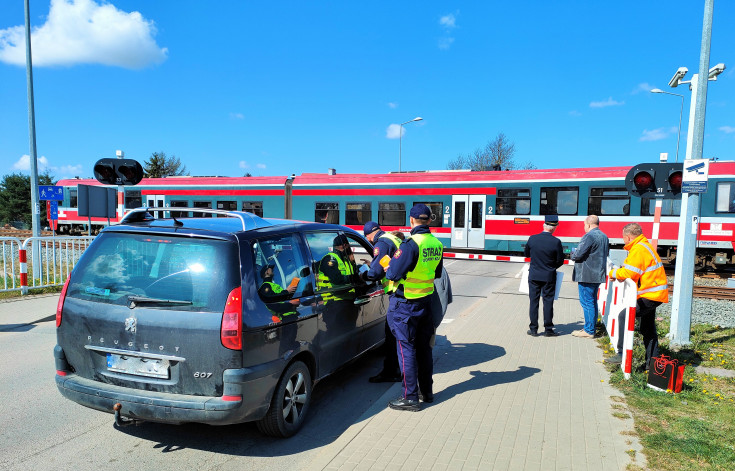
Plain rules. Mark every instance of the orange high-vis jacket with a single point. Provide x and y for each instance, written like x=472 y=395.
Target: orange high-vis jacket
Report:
x=644 y=266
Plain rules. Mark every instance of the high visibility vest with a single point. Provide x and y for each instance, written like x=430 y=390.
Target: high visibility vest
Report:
x=419 y=282
x=644 y=266
x=324 y=283
x=276 y=317
x=391 y=286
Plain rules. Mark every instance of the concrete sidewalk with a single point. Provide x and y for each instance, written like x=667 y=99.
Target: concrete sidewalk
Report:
x=503 y=400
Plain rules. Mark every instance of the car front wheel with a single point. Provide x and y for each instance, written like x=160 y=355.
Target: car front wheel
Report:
x=289 y=404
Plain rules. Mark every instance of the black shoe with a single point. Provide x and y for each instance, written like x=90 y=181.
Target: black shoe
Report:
x=551 y=333
x=613 y=360
x=382 y=377
x=428 y=398
x=532 y=333
x=405 y=404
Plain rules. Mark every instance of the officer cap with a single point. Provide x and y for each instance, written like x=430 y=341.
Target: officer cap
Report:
x=420 y=211
x=265 y=269
x=339 y=240
x=551 y=220
x=370 y=227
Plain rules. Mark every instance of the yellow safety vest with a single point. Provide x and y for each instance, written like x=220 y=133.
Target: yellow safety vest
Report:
x=276 y=317
x=419 y=282
x=324 y=283
x=391 y=286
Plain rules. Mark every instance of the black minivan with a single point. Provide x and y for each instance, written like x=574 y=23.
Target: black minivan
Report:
x=216 y=320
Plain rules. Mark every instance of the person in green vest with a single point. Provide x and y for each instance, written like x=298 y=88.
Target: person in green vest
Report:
x=385 y=244
x=336 y=269
x=274 y=295
x=415 y=265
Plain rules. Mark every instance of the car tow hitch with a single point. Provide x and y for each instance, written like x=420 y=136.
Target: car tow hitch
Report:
x=121 y=421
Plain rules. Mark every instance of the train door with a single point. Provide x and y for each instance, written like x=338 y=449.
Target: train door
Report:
x=155 y=201
x=468 y=221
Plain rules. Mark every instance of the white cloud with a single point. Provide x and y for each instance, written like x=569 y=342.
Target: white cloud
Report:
x=244 y=164
x=606 y=103
x=237 y=116
x=727 y=129
x=448 y=21
x=392 y=132
x=392 y=105
x=260 y=166
x=642 y=87
x=65 y=171
x=85 y=32
x=445 y=43
x=657 y=134
x=575 y=113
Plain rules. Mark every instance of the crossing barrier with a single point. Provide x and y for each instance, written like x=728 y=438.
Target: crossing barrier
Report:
x=614 y=298
x=51 y=261
x=494 y=258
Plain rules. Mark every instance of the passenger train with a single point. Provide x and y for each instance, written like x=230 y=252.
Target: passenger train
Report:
x=486 y=212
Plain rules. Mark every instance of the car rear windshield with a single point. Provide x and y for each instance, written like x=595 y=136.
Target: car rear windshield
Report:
x=182 y=273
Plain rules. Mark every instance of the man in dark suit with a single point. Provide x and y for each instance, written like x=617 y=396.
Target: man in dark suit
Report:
x=546 y=255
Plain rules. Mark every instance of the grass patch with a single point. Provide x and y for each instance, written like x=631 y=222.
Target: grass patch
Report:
x=31 y=291
x=692 y=430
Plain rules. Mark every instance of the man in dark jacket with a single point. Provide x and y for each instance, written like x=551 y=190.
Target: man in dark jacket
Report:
x=546 y=255
x=590 y=260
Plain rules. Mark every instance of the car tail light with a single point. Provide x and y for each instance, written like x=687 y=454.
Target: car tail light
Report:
x=60 y=305
x=231 y=333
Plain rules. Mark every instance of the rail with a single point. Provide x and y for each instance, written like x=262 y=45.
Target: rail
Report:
x=710 y=292
x=39 y=262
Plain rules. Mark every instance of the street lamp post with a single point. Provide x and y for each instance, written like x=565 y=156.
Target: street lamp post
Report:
x=400 y=136
x=681 y=110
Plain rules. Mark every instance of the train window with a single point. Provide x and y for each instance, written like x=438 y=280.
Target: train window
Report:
x=180 y=204
x=226 y=206
x=559 y=200
x=392 y=214
x=327 y=213
x=669 y=207
x=609 y=201
x=133 y=199
x=205 y=205
x=73 y=198
x=255 y=207
x=513 y=201
x=357 y=214
x=725 y=198
x=436 y=212
x=459 y=213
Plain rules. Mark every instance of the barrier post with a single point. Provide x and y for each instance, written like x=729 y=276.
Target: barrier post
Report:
x=23 y=271
x=630 y=295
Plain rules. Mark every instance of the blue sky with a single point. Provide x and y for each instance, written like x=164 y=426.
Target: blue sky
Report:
x=274 y=88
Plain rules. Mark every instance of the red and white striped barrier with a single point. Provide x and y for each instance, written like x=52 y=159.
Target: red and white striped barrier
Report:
x=493 y=258
x=613 y=298
x=23 y=271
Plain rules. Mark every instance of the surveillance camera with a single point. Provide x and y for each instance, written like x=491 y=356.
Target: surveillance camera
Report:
x=715 y=71
x=676 y=79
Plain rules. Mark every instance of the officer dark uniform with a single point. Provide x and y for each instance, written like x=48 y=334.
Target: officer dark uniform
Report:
x=415 y=265
x=384 y=244
x=547 y=255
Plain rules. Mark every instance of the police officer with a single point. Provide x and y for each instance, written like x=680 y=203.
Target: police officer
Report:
x=336 y=268
x=415 y=265
x=273 y=294
x=547 y=255
x=384 y=245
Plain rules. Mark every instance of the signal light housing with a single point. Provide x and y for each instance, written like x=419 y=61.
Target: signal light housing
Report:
x=661 y=180
x=118 y=171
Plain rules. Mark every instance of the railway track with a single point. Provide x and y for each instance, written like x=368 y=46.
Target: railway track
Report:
x=710 y=292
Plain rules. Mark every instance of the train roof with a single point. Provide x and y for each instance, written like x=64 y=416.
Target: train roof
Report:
x=721 y=169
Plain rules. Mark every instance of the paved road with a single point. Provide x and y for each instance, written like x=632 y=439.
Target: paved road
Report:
x=42 y=430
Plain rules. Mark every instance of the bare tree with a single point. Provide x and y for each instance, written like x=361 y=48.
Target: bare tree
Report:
x=497 y=154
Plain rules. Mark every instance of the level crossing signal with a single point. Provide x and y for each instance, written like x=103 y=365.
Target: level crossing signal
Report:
x=661 y=180
x=118 y=171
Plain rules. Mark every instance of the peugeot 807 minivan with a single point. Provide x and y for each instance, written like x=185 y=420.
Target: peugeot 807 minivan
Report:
x=216 y=320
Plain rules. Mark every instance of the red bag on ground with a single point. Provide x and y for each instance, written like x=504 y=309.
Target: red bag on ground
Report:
x=665 y=374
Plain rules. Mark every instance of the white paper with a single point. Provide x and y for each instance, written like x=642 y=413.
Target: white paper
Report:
x=559 y=280
x=524 y=279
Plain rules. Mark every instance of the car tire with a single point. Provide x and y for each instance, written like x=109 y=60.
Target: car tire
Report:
x=289 y=404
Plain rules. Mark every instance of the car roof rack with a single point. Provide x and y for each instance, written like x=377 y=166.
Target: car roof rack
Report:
x=248 y=220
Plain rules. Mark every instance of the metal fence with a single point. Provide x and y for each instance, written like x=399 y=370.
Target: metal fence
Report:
x=51 y=260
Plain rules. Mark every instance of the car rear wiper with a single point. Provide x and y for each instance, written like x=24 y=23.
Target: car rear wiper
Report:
x=133 y=300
